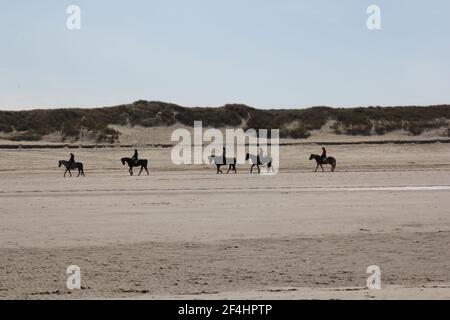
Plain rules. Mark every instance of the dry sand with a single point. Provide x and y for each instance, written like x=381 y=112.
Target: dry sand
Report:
x=143 y=136
x=185 y=232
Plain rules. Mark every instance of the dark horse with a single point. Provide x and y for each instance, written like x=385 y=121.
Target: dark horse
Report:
x=329 y=160
x=218 y=160
x=76 y=165
x=143 y=163
x=256 y=161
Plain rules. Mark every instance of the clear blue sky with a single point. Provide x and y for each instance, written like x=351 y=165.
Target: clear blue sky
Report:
x=280 y=54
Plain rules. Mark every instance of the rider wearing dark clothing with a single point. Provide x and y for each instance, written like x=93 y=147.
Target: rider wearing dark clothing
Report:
x=259 y=156
x=323 y=157
x=224 y=153
x=71 y=160
x=135 y=157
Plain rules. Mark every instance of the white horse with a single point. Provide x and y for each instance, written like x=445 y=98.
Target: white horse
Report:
x=218 y=160
x=262 y=161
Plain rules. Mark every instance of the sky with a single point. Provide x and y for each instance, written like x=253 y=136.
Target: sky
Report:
x=266 y=54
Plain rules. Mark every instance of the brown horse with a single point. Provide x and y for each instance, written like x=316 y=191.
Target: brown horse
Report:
x=329 y=160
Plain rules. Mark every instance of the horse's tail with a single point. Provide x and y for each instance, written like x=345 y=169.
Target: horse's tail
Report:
x=334 y=164
x=81 y=168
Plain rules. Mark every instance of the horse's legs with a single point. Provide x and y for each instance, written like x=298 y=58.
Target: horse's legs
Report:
x=145 y=167
x=251 y=169
x=317 y=168
x=259 y=170
x=234 y=167
x=131 y=171
x=322 y=168
x=79 y=172
x=65 y=172
x=142 y=168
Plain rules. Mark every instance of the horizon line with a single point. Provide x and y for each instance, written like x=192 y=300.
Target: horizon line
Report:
x=24 y=109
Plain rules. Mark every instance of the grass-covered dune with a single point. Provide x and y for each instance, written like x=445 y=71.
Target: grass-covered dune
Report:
x=293 y=123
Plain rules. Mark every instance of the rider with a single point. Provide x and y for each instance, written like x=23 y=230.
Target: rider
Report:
x=135 y=157
x=323 y=157
x=260 y=156
x=71 y=160
x=224 y=153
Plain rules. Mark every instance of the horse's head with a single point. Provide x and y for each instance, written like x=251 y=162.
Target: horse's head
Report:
x=311 y=157
x=123 y=161
x=210 y=158
x=60 y=162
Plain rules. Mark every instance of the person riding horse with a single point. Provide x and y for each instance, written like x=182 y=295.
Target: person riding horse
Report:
x=260 y=156
x=224 y=153
x=323 y=157
x=135 y=157
x=71 y=160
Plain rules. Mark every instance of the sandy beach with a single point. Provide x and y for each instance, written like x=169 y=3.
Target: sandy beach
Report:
x=184 y=232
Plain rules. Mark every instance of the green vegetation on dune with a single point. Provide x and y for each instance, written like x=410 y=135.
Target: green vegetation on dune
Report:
x=33 y=125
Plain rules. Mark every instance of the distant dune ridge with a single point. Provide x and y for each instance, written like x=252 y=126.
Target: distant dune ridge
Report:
x=152 y=122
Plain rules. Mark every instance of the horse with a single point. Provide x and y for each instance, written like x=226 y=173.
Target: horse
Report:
x=143 y=163
x=257 y=161
x=329 y=160
x=76 y=165
x=218 y=160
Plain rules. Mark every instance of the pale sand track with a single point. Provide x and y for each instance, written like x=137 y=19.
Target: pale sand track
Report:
x=186 y=232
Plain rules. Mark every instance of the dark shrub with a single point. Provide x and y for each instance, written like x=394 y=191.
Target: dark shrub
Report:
x=297 y=133
x=6 y=128
x=26 y=137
